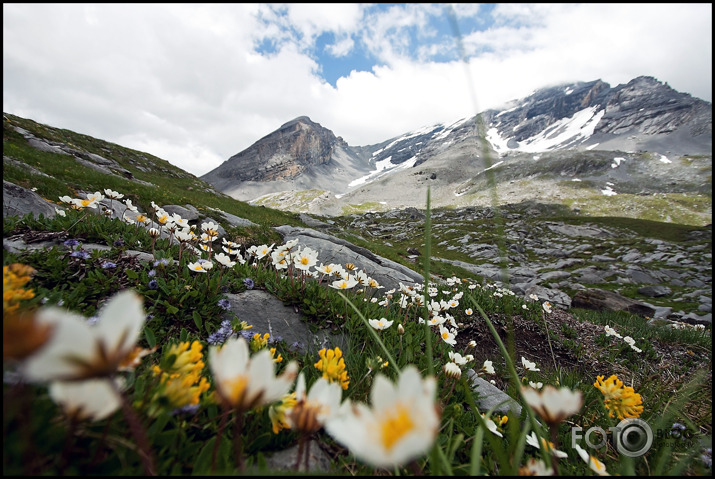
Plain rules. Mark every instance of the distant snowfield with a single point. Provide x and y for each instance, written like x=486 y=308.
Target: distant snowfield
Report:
x=581 y=125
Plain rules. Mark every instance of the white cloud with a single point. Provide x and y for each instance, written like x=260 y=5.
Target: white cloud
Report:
x=185 y=82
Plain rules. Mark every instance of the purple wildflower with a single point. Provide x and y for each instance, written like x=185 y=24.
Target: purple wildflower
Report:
x=118 y=243
x=224 y=304
x=162 y=261
x=248 y=283
x=151 y=273
x=71 y=243
x=80 y=254
x=108 y=264
x=153 y=284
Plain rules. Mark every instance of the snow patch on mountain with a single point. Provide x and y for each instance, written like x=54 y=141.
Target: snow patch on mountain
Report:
x=561 y=134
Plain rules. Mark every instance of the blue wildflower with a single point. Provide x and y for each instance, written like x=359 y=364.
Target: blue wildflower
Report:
x=152 y=273
x=162 y=261
x=153 y=284
x=188 y=409
x=118 y=243
x=248 y=283
x=108 y=264
x=80 y=254
x=224 y=304
x=222 y=334
x=71 y=243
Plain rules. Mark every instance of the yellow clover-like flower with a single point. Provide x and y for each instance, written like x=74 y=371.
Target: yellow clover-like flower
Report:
x=620 y=400
x=332 y=365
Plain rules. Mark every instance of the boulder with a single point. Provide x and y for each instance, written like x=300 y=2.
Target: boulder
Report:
x=18 y=201
x=604 y=300
x=387 y=273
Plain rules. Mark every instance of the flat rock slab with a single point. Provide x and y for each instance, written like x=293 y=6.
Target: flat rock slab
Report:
x=268 y=314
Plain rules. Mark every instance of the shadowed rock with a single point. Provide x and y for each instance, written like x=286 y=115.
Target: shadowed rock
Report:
x=603 y=300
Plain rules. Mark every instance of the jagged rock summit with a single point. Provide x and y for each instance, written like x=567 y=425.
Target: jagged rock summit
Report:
x=301 y=154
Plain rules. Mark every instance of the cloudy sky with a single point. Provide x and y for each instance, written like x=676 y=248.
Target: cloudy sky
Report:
x=195 y=84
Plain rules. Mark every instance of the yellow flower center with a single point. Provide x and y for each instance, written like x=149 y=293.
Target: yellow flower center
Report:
x=304 y=260
x=395 y=427
x=235 y=389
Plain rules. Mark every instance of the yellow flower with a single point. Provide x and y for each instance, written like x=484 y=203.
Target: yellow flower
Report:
x=14 y=277
x=620 y=400
x=259 y=342
x=181 y=383
x=277 y=412
x=276 y=359
x=332 y=365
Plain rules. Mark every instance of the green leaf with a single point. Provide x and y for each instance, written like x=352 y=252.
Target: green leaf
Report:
x=150 y=338
x=183 y=335
x=171 y=309
x=197 y=320
x=203 y=461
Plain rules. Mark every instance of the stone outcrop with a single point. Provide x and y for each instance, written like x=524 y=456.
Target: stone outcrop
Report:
x=604 y=300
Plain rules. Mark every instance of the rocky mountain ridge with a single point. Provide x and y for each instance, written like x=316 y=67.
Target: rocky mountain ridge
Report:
x=588 y=127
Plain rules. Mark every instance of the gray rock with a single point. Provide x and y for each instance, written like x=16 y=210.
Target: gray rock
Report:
x=312 y=222
x=655 y=291
x=18 y=201
x=187 y=212
x=43 y=146
x=554 y=296
x=335 y=250
x=604 y=300
x=285 y=460
x=490 y=396
x=267 y=314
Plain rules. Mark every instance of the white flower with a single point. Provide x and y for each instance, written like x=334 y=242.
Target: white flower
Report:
x=224 y=260
x=537 y=385
x=130 y=206
x=596 y=466
x=447 y=336
x=492 y=426
x=60 y=212
x=546 y=306
x=553 y=405
x=305 y=259
x=452 y=370
x=457 y=358
x=113 y=194
x=77 y=350
x=344 y=283
x=196 y=267
x=401 y=425
x=534 y=297
x=528 y=365
x=244 y=382
x=533 y=441
x=612 y=332
x=380 y=324
x=93 y=399
x=488 y=367
x=313 y=409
